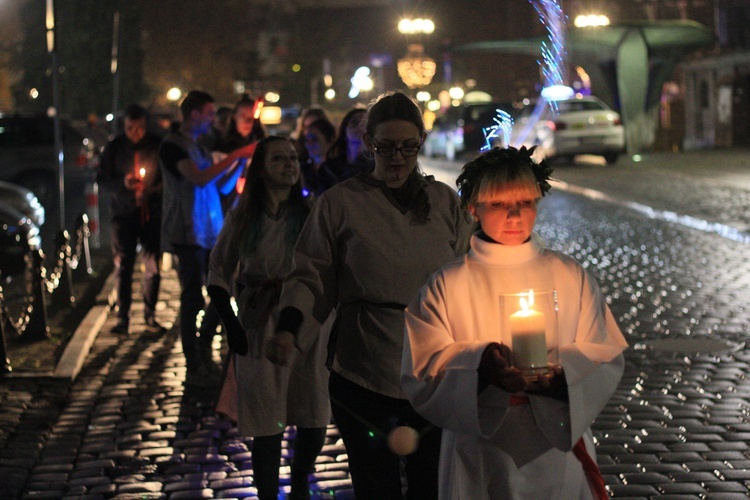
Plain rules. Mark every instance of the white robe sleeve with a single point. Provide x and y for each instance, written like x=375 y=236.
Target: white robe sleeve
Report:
x=311 y=285
x=224 y=260
x=593 y=362
x=439 y=374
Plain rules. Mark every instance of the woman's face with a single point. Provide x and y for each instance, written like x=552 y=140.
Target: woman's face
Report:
x=508 y=215
x=316 y=144
x=354 y=144
x=281 y=166
x=389 y=143
x=243 y=118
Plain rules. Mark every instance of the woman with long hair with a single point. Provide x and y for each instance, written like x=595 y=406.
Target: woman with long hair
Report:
x=242 y=129
x=250 y=260
x=347 y=155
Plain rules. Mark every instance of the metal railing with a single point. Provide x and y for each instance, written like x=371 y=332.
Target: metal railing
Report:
x=31 y=322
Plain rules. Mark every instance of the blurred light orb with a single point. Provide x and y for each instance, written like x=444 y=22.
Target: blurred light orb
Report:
x=433 y=105
x=271 y=97
x=109 y=117
x=296 y=68
x=416 y=69
x=423 y=96
x=557 y=92
x=33 y=93
x=361 y=81
x=239 y=86
x=415 y=26
x=403 y=440
x=270 y=115
x=330 y=94
x=456 y=93
x=591 y=20
x=174 y=94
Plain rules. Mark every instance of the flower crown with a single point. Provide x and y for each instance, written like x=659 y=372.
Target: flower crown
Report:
x=542 y=170
x=474 y=171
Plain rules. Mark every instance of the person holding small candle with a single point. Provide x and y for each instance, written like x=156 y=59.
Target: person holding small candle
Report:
x=129 y=169
x=509 y=432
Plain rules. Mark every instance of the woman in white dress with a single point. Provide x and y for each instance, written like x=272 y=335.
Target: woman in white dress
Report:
x=507 y=435
x=250 y=260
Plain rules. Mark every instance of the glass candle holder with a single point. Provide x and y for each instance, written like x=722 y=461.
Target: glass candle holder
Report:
x=529 y=320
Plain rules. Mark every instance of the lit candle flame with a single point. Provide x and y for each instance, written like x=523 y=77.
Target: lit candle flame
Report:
x=527 y=303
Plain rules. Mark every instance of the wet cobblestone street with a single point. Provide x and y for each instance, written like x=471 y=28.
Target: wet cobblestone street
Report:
x=677 y=427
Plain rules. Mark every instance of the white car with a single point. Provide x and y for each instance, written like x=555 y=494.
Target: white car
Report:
x=581 y=125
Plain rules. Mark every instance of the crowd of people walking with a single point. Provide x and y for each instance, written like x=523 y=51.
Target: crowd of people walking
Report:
x=354 y=289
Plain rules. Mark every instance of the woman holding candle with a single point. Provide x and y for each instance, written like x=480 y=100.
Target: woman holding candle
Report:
x=506 y=435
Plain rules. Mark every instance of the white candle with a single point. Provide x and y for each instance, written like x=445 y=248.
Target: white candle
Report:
x=528 y=337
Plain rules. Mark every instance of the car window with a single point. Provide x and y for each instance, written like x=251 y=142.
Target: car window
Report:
x=25 y=132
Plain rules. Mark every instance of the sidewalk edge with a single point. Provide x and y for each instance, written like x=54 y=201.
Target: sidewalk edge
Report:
x=78 y=347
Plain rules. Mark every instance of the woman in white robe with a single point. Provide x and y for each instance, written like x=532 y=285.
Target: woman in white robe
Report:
x=369 y=244
x=250 y=260
x=504 y=435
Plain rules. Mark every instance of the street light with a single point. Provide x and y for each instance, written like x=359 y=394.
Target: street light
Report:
x=416 y=69
x=591 y=20
x=416 y=26
x=174 y=94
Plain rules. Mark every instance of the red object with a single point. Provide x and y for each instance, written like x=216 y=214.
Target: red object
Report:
x=91 y=192
x=594 y=476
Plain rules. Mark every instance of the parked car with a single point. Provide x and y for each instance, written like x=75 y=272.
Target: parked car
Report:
x=28 y=156
x=460 y=130
x=23 y=200
x=581 y=125
x=18 y=236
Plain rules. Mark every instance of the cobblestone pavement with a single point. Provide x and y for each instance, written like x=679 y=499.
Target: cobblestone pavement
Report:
x=677 y=427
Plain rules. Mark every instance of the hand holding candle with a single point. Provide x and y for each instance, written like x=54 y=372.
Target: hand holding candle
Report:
x=528 y=336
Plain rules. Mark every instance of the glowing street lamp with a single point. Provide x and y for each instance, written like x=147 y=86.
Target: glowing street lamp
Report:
x=416 y=26
x=416 y=69
x=174 y=94
x=591 y=20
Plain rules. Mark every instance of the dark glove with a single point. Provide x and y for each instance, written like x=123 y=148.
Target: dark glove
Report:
x=236 y=337
x=496 y=368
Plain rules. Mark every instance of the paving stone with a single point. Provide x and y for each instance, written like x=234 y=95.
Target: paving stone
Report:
x=728 y=487
x=693 y=477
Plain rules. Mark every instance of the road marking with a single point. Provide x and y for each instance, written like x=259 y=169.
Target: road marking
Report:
x=728 y=232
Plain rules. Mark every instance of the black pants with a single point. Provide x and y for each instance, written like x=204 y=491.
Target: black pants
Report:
x=192 y=271
x=127 y=231
x=267 y=457
x=364 y=419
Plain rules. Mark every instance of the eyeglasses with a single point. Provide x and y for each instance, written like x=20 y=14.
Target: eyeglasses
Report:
x=507 y=207
x=390 y=151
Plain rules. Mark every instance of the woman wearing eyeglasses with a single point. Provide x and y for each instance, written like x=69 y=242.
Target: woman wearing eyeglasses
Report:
x=369 y=245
